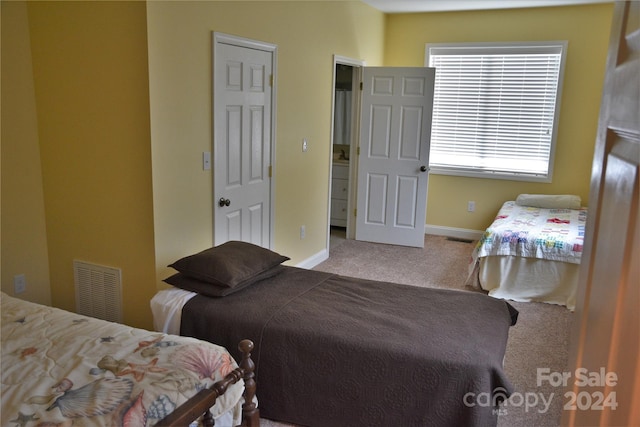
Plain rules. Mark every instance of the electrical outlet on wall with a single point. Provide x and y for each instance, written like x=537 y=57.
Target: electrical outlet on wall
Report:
x=471 y=206
x=19 y=283
x=303 y=232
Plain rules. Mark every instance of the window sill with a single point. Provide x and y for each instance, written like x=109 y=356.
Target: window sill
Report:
x=510 y=176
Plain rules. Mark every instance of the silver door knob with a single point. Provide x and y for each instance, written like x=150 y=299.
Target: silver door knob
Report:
x=223 y=202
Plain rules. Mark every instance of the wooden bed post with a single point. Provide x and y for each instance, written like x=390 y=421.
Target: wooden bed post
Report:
x=199 y=405
x=250 y=414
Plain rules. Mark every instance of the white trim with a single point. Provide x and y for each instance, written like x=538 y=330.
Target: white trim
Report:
x=314 y=260
x=243 y=42
x=413 y=6
x=436 y=230
x=221 y=38
x=460 y=233
x=337 y=59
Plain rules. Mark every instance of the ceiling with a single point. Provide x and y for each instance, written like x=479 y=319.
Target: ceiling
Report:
x=407 y=6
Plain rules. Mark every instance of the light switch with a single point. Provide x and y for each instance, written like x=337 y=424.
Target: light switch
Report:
x=206 y=161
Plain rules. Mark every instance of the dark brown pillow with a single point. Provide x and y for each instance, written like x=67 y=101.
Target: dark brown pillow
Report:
x=181 y=281
x=230 y=264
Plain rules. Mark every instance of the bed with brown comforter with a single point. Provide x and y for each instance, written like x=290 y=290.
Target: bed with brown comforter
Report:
x=340 y=351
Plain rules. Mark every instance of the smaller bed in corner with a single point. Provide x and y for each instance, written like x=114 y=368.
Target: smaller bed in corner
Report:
x=532 y=250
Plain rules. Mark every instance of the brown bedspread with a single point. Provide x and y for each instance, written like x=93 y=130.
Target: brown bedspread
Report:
x=339 y=351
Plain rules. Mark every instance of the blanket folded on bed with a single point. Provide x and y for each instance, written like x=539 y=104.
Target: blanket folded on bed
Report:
x=550 y=201
x=340 y=351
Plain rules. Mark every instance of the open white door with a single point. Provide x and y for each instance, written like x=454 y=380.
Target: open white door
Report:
x=395 y=133
x=242 y=145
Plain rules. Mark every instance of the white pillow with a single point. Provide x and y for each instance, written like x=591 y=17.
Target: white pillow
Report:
x=550 y=201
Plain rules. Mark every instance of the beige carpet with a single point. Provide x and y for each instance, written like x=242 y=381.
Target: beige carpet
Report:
x=539 y=340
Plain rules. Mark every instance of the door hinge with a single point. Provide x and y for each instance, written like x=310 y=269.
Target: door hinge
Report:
x=271 y=80
x=269 y=171
x=355 y=212
x=360 y=85
x=358 y=151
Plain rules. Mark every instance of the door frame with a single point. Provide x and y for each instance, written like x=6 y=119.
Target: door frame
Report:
x=228 y=39
x=357 y=65
x=605 y=329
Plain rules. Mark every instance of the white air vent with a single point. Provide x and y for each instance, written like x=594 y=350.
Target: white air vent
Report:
x=98 y=291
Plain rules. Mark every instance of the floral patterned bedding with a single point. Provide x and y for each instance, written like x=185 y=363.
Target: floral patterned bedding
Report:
x=61 y=369
x=552 y=234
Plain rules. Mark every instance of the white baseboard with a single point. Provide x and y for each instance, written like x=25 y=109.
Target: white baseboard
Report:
x=437 y=230
x=314 y=260
x=460 y=233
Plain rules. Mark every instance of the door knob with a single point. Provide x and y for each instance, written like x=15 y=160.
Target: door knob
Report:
x=223 y=202
x=423 y=168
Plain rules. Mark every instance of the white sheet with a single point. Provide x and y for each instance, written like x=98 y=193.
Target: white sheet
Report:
x=529 y=279
x=166 y=307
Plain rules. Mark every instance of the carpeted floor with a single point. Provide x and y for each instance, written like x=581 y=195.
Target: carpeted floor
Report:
x=538 y=340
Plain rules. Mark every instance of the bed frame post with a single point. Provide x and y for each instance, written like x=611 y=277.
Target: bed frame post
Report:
x=198 y=406
x=250 y=413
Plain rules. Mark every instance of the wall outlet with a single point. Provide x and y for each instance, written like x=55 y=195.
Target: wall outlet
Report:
x=471 y=206
x=303 y=232
x=305 y=145
x=19 y=283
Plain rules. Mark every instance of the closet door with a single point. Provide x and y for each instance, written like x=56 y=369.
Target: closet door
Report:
x=243 y=128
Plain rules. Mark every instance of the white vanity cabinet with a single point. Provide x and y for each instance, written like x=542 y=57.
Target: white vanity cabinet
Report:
x=339 y=194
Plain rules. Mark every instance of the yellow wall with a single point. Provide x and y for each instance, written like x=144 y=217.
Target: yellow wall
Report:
x=24 y=240
x=91 y=86
x=307 y=34
x=119 y=109
x=587 y=30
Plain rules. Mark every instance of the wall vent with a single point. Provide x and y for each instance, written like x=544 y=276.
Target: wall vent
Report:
x=98 y=291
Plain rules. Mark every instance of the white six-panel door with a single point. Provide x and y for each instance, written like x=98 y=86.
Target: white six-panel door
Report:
x=242 y=144
x=394 y=154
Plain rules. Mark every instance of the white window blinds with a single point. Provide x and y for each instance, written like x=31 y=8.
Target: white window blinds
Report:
x=495 y=109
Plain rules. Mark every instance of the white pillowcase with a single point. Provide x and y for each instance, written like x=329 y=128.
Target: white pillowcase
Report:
x=550 y=201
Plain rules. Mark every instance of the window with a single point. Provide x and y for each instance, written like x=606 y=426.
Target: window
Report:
x=495 y=109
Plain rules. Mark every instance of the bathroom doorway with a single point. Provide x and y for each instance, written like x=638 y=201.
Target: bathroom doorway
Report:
x=345 y=134
x=382 y=185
